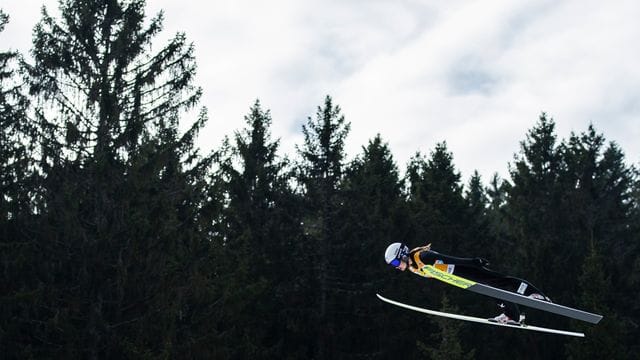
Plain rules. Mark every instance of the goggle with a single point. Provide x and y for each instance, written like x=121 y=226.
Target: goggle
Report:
x=395 y=262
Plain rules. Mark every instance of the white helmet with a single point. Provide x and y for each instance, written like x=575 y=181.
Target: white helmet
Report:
x=396 y=253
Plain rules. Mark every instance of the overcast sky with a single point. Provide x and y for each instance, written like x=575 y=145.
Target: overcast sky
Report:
x=476 y=74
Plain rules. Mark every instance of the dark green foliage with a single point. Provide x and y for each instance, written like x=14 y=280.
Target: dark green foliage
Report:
x=119 y=240
x=534 y=197
x=436 y=200
x=261 y=230
x=15 y=149
x=372 y=216
x=442 y=214
x=447 y=342
x=320 y=174
x=19 y=190
x=498 y=219
x=595 y=293
x=478 y=235
x=110 y=92
x=565 y=199
x=323 y=151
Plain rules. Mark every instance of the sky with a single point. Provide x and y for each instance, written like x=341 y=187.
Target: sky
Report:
x=476 y=74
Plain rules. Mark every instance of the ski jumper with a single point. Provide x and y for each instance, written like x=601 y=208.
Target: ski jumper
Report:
x=472 y=269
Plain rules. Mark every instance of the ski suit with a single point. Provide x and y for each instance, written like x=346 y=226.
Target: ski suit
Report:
x=473 y=269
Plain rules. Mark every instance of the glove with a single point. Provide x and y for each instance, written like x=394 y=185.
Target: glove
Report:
x=481 y=262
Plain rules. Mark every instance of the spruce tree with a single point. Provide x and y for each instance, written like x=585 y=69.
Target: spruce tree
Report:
x=478 y=241
x=439 y=200
x=260 y=234
x=534 y=206
x=631 y=281
x=440 y=215
x=598 y=189
x=321 y=173
x=416 y=195
x=19 y=191
x=595 y=294
x=536 y=224
x=448 y=344
x=15 y=131
x=121 y=222
x=372 y=217
x=499 y=221
x=618 y=233
x=565 y=199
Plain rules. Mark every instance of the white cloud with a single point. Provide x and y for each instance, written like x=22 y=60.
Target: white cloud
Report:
x=474 y=74
x=486 y=71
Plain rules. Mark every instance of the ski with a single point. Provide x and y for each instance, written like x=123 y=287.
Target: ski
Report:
x=432 y=272
x=480 y=320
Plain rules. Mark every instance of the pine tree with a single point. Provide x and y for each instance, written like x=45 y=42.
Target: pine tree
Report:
x=498 y=219
x=536 y=223
x=371 y=218
x=439 y=214
x=533 y=206
x=565 y=199
x=109 y=91
x=15 y=149
x=603 y=340
x=618 y=232
x=416 y=196
x=19 y=192
x=260 y=231
x=321 y=174
x=449 y=344
x=600 y=215
x=581 y=155
x=121 y=222
x=437 y=197
x=477 y=238
x=631 y=283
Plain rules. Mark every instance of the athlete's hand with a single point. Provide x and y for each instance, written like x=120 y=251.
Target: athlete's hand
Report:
x=481 y=262
x=422 y=248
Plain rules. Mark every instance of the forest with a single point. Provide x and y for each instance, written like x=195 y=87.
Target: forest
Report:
x=120 y=238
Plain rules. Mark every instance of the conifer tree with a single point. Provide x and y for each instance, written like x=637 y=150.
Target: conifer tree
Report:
x=537 y=221
x=565 y=199
x=478 y=241
x=499 y=221
x=600 y=211
x=631 y=283
x=439 y=200
x=603 y=340
x=18 y=195
x=15 y=130
x=448 y=343
x=585 y=198
x=438 y=213
x=321 y=174
x=121 y=221
x=109 y=92
x=372 y=217
x=260 y=231
x=534 y=203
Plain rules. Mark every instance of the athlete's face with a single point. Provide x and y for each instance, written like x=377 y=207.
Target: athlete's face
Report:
x=403 y=266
